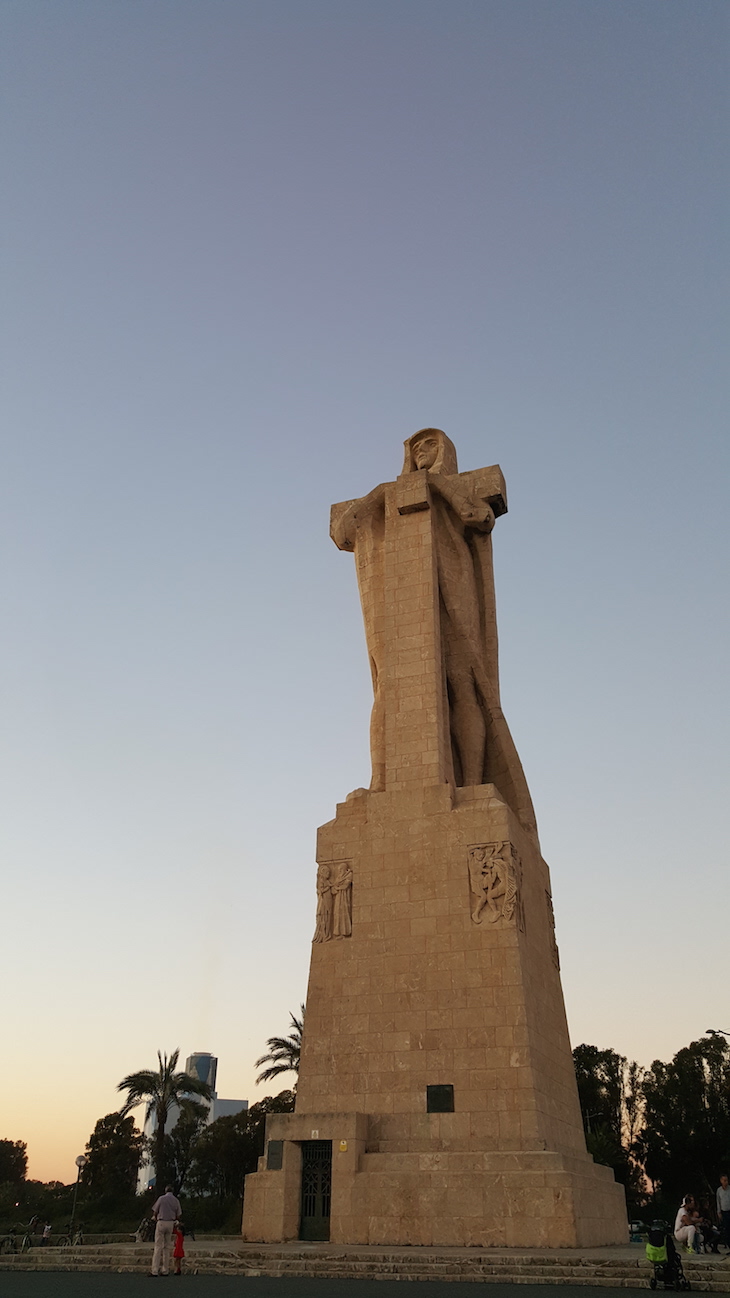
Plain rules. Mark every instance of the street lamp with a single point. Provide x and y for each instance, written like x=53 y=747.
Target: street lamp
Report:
x=81 y=1162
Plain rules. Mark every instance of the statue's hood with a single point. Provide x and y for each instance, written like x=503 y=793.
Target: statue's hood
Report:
x=445 y=461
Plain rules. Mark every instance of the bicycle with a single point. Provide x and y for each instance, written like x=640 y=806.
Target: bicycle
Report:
x=18 y=1240
x=71 y=1238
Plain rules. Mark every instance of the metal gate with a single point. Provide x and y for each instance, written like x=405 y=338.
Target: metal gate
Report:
x=316 y=1189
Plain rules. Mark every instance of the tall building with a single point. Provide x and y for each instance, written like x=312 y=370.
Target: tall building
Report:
x=203 y=1066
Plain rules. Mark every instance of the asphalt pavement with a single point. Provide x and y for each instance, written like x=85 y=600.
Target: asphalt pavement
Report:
x=79 y=1284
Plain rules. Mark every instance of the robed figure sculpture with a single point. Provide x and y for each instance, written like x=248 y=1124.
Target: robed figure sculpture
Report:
x=463 y=508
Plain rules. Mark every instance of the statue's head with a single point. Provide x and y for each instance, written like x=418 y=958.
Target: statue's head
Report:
x=430 y=448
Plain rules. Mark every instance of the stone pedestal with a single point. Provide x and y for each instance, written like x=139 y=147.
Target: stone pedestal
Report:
x=430 y=991
x=435 y=1057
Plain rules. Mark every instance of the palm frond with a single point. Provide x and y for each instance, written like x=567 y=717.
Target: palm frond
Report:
x=284 y=1052
x=139 y=1086
x=278 y=1046
x=270 y=1073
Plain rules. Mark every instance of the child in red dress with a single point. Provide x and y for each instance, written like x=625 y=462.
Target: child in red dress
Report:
x=178 y=1252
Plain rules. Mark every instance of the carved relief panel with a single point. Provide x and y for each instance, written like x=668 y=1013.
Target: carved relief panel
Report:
x=495 y=880
x=334 y=901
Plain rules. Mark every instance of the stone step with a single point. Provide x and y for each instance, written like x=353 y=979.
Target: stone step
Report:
x=630 y=1278
x=609 y=1272
x=612 y=1282
x=377 y=1256
x=374 y=1257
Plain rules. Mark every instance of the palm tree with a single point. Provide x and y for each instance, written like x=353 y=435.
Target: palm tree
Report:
x=284 y=1052
x=160 y=1090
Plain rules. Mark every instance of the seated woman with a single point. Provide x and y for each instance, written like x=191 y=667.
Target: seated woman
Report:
x=687 y=1225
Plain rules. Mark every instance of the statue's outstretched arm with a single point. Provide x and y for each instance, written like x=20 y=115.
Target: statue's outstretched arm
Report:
x=472 y=512
x=344 y=530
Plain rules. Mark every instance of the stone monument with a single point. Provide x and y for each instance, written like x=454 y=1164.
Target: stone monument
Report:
x=437 y=1101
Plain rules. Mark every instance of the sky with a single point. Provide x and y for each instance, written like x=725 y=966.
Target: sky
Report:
x=250 y=247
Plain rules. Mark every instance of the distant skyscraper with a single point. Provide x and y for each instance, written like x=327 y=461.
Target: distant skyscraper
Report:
x=202 y=1066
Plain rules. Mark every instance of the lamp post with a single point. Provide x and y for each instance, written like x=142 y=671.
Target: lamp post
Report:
x=81 y=1162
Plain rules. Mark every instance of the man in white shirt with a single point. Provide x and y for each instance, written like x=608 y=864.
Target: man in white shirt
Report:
x=723 y=1209
x=166 y=1211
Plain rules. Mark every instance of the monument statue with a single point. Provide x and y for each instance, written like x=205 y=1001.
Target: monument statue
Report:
x=436 y=1101
x=462 y=518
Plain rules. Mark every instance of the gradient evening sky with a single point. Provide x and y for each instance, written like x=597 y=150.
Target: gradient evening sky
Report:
x=249 y=247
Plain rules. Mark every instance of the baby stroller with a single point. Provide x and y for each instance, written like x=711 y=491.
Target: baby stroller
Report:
x=662 y=1253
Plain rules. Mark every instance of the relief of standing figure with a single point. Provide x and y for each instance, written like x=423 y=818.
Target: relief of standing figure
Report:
x=342 y=889
x=323 y=927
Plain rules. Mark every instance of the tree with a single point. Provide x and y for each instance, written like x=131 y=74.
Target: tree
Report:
x=161 y=1090
x=223 y=1155
x=13 y=1161
x=114 y=1149
x=284 y=1052
x=230 y=1148
x=610 y=1094
x=181 y=1144
x=685 y=1139
x=599 y=1074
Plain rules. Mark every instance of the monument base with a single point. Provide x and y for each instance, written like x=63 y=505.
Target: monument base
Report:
x=437 y=1101
x=525 y=1199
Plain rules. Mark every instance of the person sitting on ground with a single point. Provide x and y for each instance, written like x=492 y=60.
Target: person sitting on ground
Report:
x=687 y=1225
x=697 y=1221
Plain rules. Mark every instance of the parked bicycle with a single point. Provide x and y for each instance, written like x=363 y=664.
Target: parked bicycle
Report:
x=72 y=1237
x=20 y=1238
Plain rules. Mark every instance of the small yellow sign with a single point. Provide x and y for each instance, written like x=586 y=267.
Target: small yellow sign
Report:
x=343 y=1146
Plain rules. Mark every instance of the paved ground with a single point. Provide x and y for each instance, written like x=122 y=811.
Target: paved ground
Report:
x=85 y=1285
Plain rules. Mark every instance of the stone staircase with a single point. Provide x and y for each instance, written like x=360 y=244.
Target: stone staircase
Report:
x=618 y=1268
